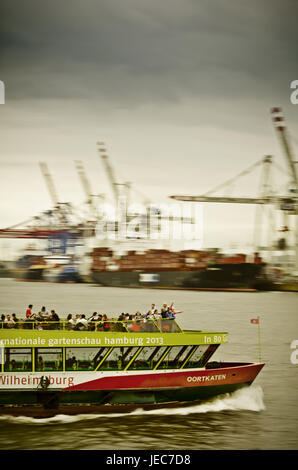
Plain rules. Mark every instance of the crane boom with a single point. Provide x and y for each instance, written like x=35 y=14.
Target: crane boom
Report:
x=282 y=134
x=49 y=182
x=109 y=170
x=84 y=181
x=238 y=200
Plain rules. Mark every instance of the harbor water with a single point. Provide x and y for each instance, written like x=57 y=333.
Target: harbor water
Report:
x=263 y=416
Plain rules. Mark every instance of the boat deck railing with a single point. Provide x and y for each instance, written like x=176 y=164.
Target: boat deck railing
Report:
x=114 y=326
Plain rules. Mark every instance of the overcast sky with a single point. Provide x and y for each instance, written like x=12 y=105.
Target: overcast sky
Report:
x=180 y=91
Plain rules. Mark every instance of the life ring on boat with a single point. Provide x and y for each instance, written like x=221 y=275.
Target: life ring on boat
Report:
x=44 y=382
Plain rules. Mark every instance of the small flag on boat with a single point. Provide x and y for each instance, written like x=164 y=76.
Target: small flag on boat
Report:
x=255 y=321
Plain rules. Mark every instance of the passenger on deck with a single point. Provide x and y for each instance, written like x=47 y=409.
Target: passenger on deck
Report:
x=54 y=318
x=94 y=318
x=81 y=323
x=9 y=322
x=157 y=315
x=138 y=316
x=99 y=325
x=29 y=311
x=16 y=320
x=70 y=322
x=43 y=313
x=40 y=317
x=153 y=308
x=164 y=311
x=170 y=315
x=106 y=325
x=150 y=315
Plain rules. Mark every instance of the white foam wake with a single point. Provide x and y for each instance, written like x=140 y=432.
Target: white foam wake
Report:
x=250 y=398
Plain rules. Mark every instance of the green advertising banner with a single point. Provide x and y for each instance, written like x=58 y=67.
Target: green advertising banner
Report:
x=48 y=338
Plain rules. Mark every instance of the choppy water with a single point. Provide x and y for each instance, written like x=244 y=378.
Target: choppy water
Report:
x=264 y=416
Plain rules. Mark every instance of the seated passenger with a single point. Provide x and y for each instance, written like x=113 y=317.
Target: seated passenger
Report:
x=92 y=321
x=150 y=315
x=39 y=317
x=43 y=313
x=164 y=312
x=81 y=323
x=94 y=317
x=13 y=365
x=138 y=316
x=170 y=315
x=54 y=319
x=16 y=320
x=9 y=322
x=106 y=325
x=70 y=322
x=40 y=364
x=54 y=316
x=157 y=315
x=153 y=308
x=2 y=320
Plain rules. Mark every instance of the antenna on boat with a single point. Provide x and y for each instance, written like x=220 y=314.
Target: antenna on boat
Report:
x=256 y=321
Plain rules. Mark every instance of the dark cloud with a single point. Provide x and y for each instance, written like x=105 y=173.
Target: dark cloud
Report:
x=136 y=51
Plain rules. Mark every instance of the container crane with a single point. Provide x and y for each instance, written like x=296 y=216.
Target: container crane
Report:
x=58 y=240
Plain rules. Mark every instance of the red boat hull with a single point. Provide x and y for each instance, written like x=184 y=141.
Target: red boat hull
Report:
x=224 y=374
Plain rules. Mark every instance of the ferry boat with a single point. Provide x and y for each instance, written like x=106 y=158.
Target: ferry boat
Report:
x=49 y=368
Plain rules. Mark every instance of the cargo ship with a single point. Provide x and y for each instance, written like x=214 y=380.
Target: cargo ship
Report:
x=50 y=368
x=186 y=269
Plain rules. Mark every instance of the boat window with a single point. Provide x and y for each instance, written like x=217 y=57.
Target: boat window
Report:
x=201 y=355
x=196 y=358
x=17 y=360
x=118 y=358
x=175 y=357
x=168 y=326
x=141 y=326
x=148 y=357
x=210 y=351
x=48 y=359
x=84 y=358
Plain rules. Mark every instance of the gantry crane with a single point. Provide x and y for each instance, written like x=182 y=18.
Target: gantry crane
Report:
x=287 y=203
x=58 y=240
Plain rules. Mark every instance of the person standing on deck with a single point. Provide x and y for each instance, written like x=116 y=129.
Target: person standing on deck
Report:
x=29 y=311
